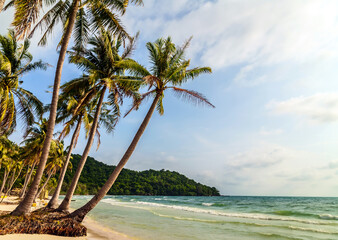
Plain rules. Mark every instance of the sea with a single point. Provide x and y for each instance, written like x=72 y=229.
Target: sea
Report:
x=217 y=218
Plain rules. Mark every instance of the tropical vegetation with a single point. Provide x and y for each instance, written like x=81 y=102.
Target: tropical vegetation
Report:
x=130 y=182
x=90 y=103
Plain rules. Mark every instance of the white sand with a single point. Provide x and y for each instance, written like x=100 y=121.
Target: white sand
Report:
x=95 y=230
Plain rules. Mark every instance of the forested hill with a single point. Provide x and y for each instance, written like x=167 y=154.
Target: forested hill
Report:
x=131 y=182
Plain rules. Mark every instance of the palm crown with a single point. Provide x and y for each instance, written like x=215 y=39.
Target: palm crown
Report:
x=90 y=17
x=169 y=70
x=105 y=68
x=15 y=61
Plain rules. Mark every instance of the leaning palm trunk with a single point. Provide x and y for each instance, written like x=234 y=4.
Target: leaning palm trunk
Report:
x=11 y=180
x=54 y=201
x=64 y=206
x=80 y=213
x=4 y=180
x=25 y=206
x=2 y=2
x=27 y=180
x=44 y=185
x=12 y=183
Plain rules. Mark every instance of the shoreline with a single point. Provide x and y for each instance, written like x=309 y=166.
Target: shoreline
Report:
x=95 y=231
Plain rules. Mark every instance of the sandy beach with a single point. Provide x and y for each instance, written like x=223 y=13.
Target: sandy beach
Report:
x=95 y=231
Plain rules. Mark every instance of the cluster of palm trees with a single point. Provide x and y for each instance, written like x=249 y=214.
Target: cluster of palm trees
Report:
x=17 y=161
x=102 y=50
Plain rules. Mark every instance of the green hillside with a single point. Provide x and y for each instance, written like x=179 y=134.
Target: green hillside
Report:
x=131 y=182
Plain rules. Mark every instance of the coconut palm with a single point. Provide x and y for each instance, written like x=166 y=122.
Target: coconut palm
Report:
x=169 y=70
x=87 y=16
x=15 y=61
x=70 y=102
x=7 y=162
x=9 y=157
x=33 y=144
x=65 y=111
x=57 y=158
x=16 y=171
x=105 y=71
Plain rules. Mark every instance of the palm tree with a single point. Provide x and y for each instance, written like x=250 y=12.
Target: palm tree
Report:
x=56 y=161
x=5 y=146
x=105 y=68
x=65 y=111
x=169 y=70
x=74 y=14
x=69 y=102
x=12 y=163
x=33 y=144
x=16 y=171
x=15 y=61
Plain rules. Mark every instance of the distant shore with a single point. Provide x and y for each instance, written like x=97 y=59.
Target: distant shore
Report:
x=95 y=231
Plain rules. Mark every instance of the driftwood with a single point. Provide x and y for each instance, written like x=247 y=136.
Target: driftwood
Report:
x=41 y=221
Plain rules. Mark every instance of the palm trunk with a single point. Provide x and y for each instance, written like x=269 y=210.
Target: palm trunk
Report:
x=25 y=205
x=27 y=180
x=11 y=180
x=44 y=185
x=54 y=201
x=2 y=2
x=80 y=213
x=24 y=182
x=4 y=180
x=64 y=206
x=12 y=183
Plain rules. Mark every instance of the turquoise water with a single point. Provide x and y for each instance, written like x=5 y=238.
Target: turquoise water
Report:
x=170 y=218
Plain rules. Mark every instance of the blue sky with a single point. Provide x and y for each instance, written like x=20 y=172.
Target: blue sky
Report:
x=274 y=85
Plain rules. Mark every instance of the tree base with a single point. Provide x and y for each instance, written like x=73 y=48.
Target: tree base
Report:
x=42 y=221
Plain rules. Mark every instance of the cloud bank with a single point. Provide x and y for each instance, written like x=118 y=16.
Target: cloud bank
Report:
x=319 y=108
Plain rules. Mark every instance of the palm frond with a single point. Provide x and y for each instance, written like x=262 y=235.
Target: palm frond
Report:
x=191 y=96
x=26 y=14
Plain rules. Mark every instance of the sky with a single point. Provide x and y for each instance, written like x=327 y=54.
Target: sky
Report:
x=274 y=130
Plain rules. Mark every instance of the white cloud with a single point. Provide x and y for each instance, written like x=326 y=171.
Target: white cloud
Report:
x=320 y=108
x=273 y=169
x=245 y=32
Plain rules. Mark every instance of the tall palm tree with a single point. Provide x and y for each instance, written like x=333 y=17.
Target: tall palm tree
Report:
x=169 y=70
x=9 y=157
x=57 y=158
x=67 y=103
x=33 y=144
x=16 y=171
x=99 y=14
x=70 y=102
x=105 y=71
x=15 y=61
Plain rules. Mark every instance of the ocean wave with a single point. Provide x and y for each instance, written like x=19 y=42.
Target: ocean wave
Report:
x=219 y=204
x=328 y=217
x=277 y=236
x=236 y=215
x=312 y=230
x=247 y=224
x=110 y=200
x=208 y=204
x=294 y=213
